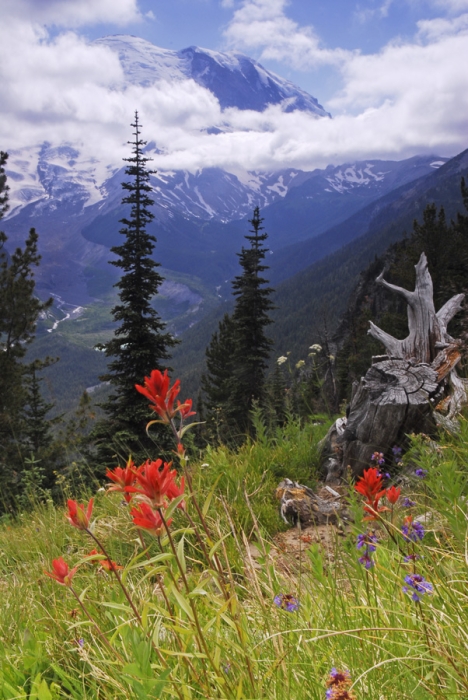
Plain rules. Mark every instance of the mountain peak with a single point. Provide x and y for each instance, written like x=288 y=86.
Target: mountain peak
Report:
x=234 y=79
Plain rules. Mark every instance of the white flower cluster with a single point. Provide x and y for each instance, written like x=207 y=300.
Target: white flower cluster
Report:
x=281 y=360
x=316 y=347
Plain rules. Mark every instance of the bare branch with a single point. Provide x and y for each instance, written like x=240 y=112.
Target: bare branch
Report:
x=393 y=345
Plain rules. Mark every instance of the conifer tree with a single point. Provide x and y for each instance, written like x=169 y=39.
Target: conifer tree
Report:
x=250 y=318
x=19 y=311
x=237 y=356
x=37 y=429
x=140 y=343
x=217 y=382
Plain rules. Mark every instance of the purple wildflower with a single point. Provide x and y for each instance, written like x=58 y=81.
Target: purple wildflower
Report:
x=421 y=473
x=339 y=683
x=367 y=562
x=378 y=458
x=417 y=586
x=408 y=503
x=367 y=540
x=411 y=557
x=412 y=530
x=286 y=601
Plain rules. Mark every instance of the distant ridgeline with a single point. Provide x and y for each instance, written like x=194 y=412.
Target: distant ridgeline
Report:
x=446 y=246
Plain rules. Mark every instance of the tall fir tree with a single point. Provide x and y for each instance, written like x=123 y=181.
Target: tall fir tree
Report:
x=140 y=343
x=237 y=357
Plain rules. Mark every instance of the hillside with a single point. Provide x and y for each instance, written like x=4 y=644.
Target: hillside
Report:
x=314 y=300
x=373 y=613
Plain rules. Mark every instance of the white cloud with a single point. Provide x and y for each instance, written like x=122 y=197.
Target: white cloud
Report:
x=452 y=5
x=72 y=13
x=434 y=29
x=262 y=25
x=409 y=98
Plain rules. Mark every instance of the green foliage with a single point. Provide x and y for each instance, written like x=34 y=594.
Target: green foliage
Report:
x=23 y=423
x=195 y=643
x=237 y=356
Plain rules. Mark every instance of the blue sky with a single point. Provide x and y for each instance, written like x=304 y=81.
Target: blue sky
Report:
x=391 y=72
x=366 y=26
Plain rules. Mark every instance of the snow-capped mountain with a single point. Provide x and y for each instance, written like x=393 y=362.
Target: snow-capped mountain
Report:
x=74 y=200
x=44 y=178
x=235 y=79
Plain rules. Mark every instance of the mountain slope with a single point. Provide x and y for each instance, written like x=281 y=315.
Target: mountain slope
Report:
x=314 y=300
x=234 y=79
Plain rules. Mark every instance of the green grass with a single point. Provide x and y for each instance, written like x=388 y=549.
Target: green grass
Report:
x=223 y=637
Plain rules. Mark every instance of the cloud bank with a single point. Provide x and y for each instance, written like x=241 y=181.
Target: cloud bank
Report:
x=411 y=97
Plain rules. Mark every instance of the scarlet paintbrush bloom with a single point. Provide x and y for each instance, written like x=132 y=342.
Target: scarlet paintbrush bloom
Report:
x=122 y=478
x=144 y=516
x=156 y=389
x=370 y=484
x=392 y=495
x=106 y=564
x=185 y=409
x=77 y=516
x=62 y=574
x=175 y=491
x=155 y=480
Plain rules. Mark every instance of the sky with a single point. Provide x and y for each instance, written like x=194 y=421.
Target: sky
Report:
x=393 y=74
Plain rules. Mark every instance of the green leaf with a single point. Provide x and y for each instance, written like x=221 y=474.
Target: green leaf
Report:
x=218 y=544
x=187 y=427
x=207 y=502
x=181 y=555
x=183 y=603
x=44 y=693
x=173 y=505
x=164 y=556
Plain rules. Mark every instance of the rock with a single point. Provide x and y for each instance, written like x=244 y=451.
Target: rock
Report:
x=301 y=505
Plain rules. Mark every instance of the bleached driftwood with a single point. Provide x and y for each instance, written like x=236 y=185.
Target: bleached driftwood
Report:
x=400 y=392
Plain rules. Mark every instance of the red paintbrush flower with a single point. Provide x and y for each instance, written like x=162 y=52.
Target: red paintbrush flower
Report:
x=185 y=409
x=155 y=480
x=175 y=491
x=393 y=494
x=122 y=478
x=62 y=574
x=77 y=516
x=144 y=516
x=370 y=484
x=106 y=564
x=156 y=389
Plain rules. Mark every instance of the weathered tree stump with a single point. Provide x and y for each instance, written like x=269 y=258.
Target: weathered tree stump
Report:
x=402 y=390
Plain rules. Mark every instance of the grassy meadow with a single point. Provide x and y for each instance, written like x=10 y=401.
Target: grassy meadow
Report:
x=194 y=616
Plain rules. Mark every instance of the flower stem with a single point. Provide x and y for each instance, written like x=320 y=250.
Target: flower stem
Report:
x=117 y=575
x=98 y=629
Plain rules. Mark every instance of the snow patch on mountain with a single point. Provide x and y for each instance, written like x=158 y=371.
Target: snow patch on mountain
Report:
x=352 y=176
